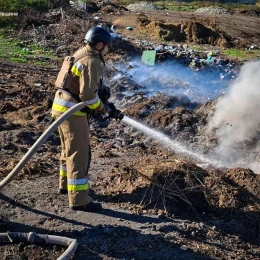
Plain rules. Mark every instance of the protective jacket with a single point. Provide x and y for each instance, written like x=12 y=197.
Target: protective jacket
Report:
x=85 y=81
x=74 y=132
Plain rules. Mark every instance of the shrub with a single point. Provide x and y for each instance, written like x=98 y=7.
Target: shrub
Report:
x=18 y=5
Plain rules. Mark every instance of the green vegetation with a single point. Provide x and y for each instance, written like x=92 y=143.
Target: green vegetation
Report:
x=18 y=5
x=7 y=24
x=13 y=7
x=198 y=47
x=192 y=6
x=177 y=6
x=242 y=54
x=14 y=50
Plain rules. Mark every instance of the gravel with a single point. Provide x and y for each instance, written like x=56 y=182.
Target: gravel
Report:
x=213 y=10
x=142 y=6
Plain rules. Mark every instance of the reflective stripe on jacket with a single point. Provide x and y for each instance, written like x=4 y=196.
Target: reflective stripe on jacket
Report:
x=86 y=80
x=77 y=68
x=61 y=105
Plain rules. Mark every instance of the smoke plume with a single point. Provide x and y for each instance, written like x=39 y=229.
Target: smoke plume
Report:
x=237 y=119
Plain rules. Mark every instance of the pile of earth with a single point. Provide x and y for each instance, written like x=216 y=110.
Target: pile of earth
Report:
x=196 y=32
x=250 y=12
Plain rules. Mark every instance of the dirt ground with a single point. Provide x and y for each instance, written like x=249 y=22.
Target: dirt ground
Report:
x=158 y=204
x=236 y=30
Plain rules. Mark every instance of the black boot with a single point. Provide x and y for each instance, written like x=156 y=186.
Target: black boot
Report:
x=90 y=207
x=63 y=191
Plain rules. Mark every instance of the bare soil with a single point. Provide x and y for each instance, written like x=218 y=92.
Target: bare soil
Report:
x=157 y=204
x=218 y=30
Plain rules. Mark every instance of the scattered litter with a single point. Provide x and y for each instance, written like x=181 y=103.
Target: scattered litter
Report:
x=159 y=47
x=182 y=28
x=112 y=29
x=37 y=84
x=184 y=247
x=129 y=28
x=115 y=35
x=148 y=57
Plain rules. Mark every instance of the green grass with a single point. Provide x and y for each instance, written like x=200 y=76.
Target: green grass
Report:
x=192 y=6
x=177 y=6
x=198 y=47
x=18 y=5
x=15 y=50
x=242 y=54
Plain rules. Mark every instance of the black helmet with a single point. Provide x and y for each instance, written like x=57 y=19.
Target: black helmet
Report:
x=98 y=34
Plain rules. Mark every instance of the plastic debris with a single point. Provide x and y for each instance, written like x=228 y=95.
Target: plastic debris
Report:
x=183 y=247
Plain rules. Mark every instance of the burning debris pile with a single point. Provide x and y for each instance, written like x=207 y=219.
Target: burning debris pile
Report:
x=183 y=111
x=172 y=77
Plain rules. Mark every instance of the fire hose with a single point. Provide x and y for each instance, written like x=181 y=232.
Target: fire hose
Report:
x=34 y=238
x=113 y=113
x=39 y=142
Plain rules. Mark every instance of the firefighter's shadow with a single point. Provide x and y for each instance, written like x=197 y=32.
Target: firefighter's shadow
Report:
x=99 y=242
x=129 y=242
x=126 y=241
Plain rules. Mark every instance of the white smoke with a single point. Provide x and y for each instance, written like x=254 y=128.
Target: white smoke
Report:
x=174 y=78
x=237 y=119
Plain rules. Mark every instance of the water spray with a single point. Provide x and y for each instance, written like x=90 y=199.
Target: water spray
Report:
x=170 y=144
x=72 y=243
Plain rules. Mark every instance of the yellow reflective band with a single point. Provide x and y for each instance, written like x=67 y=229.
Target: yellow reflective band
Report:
x=63 y=167
x=75 y=71
x=63 y=109
x=77 y=187
x=95 y=105
x=63 y=173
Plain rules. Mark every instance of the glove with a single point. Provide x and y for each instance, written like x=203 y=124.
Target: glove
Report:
x=100 y=120
x=104 y=93
x=113 y=112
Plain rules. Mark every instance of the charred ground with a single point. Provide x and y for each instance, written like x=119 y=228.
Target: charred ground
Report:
x=155 y=200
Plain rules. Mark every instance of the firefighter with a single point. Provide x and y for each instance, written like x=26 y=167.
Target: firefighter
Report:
x=79 y=80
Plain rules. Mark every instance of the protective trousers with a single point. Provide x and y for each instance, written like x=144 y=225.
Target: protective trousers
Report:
x=75 y=154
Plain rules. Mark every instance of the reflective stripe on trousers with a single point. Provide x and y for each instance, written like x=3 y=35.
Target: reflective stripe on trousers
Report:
x=63 y=171
x=75 y=154
x=77 y=184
